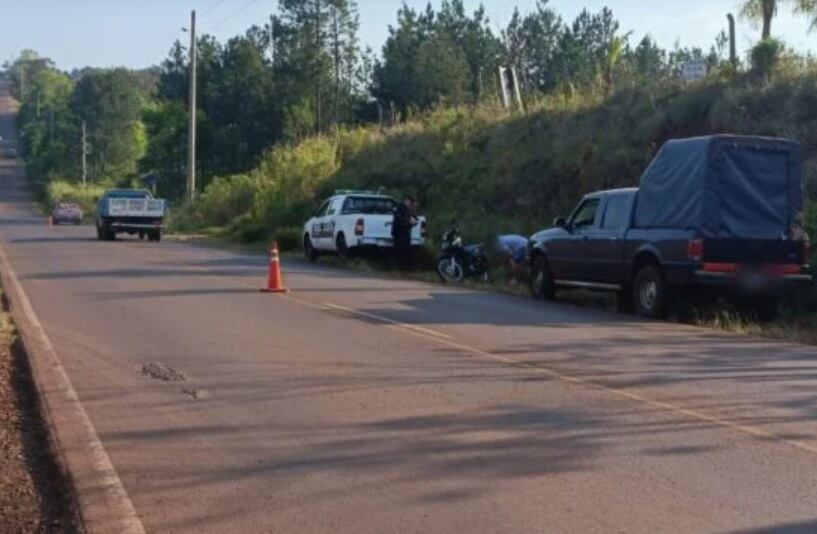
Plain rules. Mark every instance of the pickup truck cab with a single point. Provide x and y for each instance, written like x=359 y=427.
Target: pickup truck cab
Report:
x=717 y=215
x=131 y=211
x=354 y=220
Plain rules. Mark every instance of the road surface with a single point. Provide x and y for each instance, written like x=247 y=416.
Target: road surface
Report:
x=359 y=404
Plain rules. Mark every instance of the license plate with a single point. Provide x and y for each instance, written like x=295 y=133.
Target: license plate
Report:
x=755 y=280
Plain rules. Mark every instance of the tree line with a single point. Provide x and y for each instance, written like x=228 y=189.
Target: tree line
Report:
x=305 y=72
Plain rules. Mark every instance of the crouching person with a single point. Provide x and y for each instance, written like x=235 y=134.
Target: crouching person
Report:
x=511 y=253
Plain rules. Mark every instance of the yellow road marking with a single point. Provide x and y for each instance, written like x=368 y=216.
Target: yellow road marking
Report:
x=445 y=339
x=380 y=318
x=663 y=405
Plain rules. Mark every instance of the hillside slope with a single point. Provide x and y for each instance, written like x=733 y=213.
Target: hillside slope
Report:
x=499 y=172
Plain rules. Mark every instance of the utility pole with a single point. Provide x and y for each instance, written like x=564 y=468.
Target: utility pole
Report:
x=733 y=56
x=272 y=39
x=191 y=146
x=84 y=155
x=318 y=50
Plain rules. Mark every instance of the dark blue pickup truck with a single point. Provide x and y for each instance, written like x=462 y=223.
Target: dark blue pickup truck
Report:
x=716 y=215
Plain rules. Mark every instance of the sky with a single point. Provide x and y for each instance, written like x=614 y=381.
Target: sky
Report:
x=138 y=33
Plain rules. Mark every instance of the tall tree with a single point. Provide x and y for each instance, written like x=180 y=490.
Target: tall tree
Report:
x=110 y=103
x=318 y=46
x=809 y=9
x=648 y=59
x=531 y=44
x=411 y=74
x=761 y=11
x=584 y=47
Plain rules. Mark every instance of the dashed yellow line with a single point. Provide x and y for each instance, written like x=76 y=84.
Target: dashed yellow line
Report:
x=448 y=340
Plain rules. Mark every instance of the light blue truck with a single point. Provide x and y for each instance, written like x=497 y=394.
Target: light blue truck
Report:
x=130 y=211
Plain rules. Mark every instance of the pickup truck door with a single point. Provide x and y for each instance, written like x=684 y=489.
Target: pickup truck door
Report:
x=330 y=223
x=317 y=232
x=568 y=253
x=604 y=247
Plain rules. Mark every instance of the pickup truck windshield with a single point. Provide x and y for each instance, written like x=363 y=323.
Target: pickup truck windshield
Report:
x=586 y=213
x=369 y=205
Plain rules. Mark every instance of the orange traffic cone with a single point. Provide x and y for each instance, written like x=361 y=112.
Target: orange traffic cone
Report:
x=275 y=282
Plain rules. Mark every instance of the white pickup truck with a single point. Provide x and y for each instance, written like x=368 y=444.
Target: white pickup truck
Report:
x=353 y=220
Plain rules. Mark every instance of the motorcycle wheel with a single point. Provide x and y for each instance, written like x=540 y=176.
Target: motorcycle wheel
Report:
x=450 y=270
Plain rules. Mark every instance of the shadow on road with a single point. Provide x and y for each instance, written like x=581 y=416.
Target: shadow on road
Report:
x=806 y=527
x=52 y=239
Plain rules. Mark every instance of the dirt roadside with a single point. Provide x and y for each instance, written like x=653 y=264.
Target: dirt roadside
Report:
x=34 y=495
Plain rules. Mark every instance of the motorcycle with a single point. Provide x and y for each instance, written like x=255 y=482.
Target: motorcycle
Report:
x=457 y=261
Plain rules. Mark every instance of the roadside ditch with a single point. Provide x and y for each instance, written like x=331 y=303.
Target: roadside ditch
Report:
x=36 y=496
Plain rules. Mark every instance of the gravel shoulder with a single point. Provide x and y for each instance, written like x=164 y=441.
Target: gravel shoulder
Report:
x=34 y=495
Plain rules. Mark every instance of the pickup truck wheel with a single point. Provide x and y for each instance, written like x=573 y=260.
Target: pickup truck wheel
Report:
x=341 y=247
x=309 y=250
x=541 y=279
x=650 y=293
x=108 y=233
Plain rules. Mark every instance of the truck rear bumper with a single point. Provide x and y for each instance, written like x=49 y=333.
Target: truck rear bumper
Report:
x=136 y=226
x=751 y=284
x=383 y=242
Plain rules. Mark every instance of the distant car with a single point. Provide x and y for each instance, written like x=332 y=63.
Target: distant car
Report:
x=9 y=153
x=65 y=212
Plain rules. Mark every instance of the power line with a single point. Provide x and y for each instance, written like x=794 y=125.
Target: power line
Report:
x=213 y=6
x=235 y=14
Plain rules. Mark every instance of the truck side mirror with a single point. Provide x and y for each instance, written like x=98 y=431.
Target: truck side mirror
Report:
x=559 y=222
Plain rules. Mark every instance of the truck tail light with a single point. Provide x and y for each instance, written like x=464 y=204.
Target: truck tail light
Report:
x=695 y=249
x=359 y=227
x=423 y=230
x=720 y=267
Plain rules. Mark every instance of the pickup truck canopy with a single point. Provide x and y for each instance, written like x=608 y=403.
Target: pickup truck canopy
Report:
x=725 y=186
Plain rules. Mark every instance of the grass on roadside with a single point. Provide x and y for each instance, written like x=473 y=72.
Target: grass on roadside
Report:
x=792 y=328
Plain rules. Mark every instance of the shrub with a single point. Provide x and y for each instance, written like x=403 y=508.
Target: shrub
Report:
x=765 y=56
x=288 y=239
x=225 y=199
x=62 y=191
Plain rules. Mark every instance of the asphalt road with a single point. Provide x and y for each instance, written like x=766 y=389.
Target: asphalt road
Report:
x=365 y=405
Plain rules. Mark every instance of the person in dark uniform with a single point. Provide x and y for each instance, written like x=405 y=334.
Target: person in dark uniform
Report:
x=404 y=221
